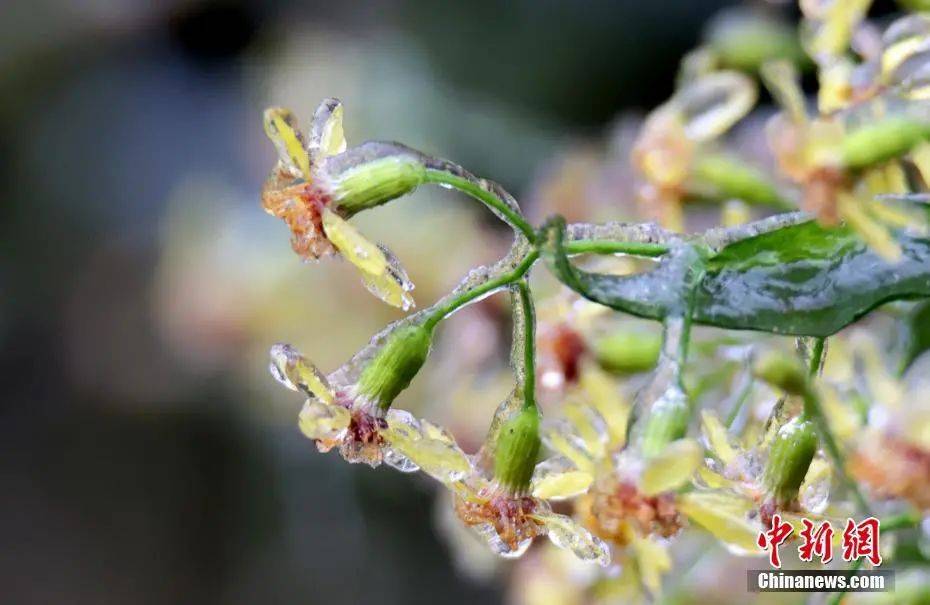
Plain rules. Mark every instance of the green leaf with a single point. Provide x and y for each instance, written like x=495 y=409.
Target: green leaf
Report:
x=801 y=279
x=917 y=337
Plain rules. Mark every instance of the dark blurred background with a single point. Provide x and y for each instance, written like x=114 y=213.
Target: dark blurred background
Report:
x=147 y=457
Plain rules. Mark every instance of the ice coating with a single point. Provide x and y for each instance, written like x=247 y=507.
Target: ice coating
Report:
x=519 y=336
x=490 y=186
x=718 y=238
x=642 y=233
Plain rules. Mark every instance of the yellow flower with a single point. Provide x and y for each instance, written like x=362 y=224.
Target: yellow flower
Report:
x=668 y=144
x=507 y=519
x=622 y=496
x=304 y=192
x=337 y=415
x=734 y=504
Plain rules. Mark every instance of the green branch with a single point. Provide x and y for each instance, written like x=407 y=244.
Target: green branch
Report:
x=486 y=197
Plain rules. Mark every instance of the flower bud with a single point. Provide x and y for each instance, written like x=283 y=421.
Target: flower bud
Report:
x=882 y=140
x=782 y=372
x=790 y=456
x=395 y=365
x=628 y=352
x=372 y=174
x=516 y=451
x=667 y=421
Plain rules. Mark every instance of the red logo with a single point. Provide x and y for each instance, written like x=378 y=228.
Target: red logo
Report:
x=773 y=538
x=859 y=540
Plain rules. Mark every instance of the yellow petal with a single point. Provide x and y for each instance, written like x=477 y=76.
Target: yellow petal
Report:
x=560 y=440
x=653 y=561
x=589 y=426
x=281 y=128
x=381 y=273
x=566 y=533
x=783 y=82
x=920 y=155
x=320 y=421
x=714 y=102
x=558 y=478
x=717 y=437
x=607 y=399
x=870 y=230
x=726 y=517
x=326 y=134
x=714 y=480
x=295 y=371
x=671 y=468
x=438 y=456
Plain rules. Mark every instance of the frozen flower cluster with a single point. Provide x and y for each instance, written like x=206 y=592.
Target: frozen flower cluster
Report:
x=656 y=398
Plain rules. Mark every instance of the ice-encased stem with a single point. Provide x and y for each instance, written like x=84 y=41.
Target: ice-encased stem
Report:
x=524 y=343
x=814 y=412
x=488 y=193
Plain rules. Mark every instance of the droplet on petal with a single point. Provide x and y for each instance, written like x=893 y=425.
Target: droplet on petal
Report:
x=381 y=272
x=393 y=286
x=281 y=128
x=672 y=467
x=568 y=534
x=297 y=373
x=590 y=426
x=558 y=478
x=318 y=420
x=499 y=546
x=726 y=517
x=558 y=437
x=715 y=102
x=421 y=445
x=326 y=134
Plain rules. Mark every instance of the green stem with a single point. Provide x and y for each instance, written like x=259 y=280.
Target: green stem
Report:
x=814 y=412
x=740 y=401
x=529 y=343
x=501 y=281
x=590 y=246
x=513 y=218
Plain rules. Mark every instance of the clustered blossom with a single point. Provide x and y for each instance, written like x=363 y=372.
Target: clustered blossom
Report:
x=602 y=463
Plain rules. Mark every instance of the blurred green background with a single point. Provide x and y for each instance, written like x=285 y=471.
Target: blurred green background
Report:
x=147 y=456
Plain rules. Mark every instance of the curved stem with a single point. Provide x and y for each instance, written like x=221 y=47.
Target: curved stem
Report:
x=484 y=196
x=572 y=248
x=450 y=306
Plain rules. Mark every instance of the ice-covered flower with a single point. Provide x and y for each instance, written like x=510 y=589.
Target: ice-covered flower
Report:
x=621 y=495
x=317 y=184
x=493 y=499
x=671 y=137
x=741 y=488
x=350 y=409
